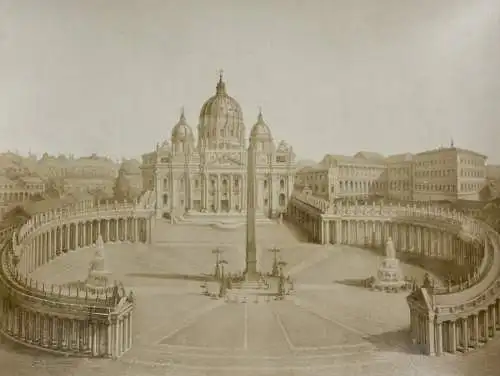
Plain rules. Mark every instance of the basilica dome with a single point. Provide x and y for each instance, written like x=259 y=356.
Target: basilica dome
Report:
x=221 y=121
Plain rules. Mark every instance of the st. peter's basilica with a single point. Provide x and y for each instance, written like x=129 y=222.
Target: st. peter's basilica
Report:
x=208 y=174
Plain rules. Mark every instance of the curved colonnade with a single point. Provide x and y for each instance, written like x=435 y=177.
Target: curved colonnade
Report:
x=450 y=317
x=75 y=321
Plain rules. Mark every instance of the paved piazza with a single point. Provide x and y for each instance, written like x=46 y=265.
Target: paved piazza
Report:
x=329 y=327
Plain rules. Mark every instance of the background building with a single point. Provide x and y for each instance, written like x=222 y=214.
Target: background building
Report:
x=400 y=175
x=362 y=176
x=209 y=175
x=449 y=174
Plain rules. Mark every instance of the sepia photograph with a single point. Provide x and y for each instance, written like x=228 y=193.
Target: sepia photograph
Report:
x=251 y=188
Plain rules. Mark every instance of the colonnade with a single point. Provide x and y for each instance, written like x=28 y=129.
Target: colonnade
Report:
x=434 y=327
x=60 y=332
x=63 y=322
x=47 y=244
x=462 y=332
x=417 y=237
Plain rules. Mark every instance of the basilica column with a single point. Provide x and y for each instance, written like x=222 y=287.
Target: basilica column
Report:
x=204 y=191
x=218 y=195
x=338 y=231
x=327 y=232
x=243 y=190
x=230 y=192
x=158 y=190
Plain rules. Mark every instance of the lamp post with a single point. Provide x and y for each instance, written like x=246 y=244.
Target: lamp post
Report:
x=275 y=271
x=223 y=286
x=281 y=285
x=217 y=252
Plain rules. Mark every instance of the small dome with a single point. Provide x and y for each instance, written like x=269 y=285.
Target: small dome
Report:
x=261 y=130
x=283 y=147
x=182 y=132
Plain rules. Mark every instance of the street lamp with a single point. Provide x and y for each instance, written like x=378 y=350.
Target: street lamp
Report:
x=275 y=271
x=217 y=252
x=281 y=285
x=223 y=286
x=281 y=265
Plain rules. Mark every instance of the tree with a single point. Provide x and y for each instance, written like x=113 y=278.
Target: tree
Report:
x=491 y=214
x=55 y=187
x=123 y=189
x=16 y=216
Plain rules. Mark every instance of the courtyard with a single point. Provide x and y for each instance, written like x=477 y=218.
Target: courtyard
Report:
x=329 y=326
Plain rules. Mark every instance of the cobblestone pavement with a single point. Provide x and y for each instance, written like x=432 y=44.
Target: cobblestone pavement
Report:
x=328 y=327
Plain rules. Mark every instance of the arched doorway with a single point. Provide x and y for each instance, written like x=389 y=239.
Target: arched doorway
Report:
x=282 y=200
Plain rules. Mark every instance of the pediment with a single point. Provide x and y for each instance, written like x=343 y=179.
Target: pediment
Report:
x=421 y=297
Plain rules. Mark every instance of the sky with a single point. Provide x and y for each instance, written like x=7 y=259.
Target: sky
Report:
x=391 y=76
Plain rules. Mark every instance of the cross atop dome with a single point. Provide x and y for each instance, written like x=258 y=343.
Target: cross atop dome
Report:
x=221 y=86
x=260 y=117
x=182 y=117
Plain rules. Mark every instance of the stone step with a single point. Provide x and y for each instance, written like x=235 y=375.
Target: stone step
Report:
x=250 y=285
x=228 y=218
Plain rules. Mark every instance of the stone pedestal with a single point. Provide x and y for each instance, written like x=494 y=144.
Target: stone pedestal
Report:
x=389 y=275
x=98 y=276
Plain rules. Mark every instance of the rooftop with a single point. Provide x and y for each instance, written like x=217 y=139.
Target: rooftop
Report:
x=451 y=149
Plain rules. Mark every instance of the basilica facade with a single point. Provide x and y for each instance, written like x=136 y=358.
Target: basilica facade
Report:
x=207 y=173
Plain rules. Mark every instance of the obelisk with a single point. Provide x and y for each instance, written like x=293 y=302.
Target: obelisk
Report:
x=251 y=246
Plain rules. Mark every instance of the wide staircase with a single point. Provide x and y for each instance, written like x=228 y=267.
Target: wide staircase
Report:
x=223 y=220
x=241 y=291
x=188 y=233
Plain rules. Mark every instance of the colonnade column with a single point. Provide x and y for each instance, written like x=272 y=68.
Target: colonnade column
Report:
x=475 y=329
x=452 y=333
x=493 y=320
x=439 y=338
